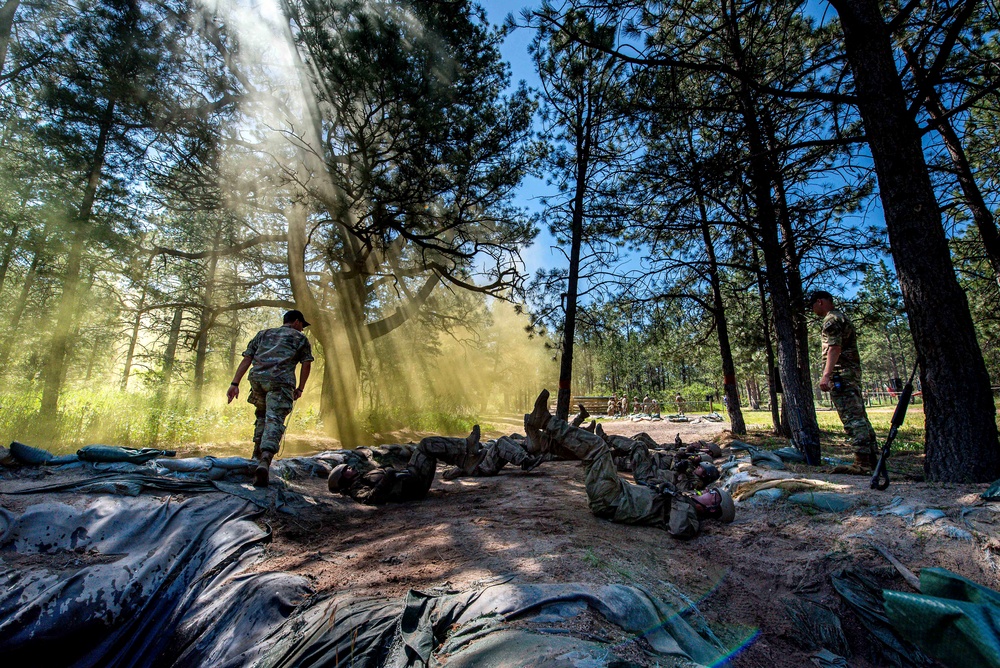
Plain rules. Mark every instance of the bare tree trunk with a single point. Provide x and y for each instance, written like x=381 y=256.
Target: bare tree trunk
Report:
x=22 y=298
x=7 y=12
x=170 y=354
x=65 y=314
x=798 y=395
x=730 y=388
x=8 y=253
x=206 y=320
x=572 y=286
x=961 y=430
x=340 y=364
x=133 y=339
x=772 y=372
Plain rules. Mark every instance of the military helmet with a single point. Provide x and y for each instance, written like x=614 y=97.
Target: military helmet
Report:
x=333 y=482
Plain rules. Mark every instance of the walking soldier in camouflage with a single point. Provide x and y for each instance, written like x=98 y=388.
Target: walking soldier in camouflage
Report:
x=274 y=354
x=842 y=379
x=616 y=499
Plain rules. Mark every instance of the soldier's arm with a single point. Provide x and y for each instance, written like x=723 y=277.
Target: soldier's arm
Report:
x=234 y=387
x=832 y=355
x=303 y=377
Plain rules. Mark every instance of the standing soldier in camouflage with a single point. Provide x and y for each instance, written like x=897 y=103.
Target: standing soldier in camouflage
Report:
x=274 y=354
x=842 y=378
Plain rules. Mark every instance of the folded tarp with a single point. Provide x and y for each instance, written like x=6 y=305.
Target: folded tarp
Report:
x=117 y=453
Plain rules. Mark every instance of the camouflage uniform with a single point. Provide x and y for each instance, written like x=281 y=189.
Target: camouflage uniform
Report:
x=838 y=330
x=616 y=499
x=382 y=485
x=504 y=450
x=650 y=467
x=275 y=353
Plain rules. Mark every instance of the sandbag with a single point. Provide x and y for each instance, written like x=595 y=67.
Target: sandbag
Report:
x=117 y=453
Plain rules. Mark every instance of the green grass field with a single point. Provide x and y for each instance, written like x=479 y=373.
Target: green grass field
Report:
x=909 y=437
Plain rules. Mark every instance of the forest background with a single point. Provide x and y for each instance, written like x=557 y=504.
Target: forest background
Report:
x=175 y=174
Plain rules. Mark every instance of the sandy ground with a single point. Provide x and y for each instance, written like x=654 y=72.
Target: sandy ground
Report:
x=537 y=527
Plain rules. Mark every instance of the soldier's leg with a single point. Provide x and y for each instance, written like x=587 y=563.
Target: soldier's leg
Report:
x=609 y=496
x=851 y=409
x=463 y=452
x=258 y=399
x=418 y=476
x=278 y=406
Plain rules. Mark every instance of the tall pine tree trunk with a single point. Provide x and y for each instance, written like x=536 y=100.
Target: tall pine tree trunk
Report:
x=13 y=237
x=960 y=416
x=206 y=320
x=170 y=353
x=572 y=286
x=66 y=312
x=730 y=388
x=796 y=393
x=341 y=389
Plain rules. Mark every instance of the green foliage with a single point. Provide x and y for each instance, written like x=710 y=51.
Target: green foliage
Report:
x=133 y=419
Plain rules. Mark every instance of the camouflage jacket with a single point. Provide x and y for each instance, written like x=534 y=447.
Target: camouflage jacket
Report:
x=838 y=330
x=275 y=352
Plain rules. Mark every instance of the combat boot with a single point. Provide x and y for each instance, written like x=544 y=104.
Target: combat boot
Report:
x=474 y=453
x=591 y=427
x=539 y=416
x=532 y=462
x=599 y=430
x=260 y=478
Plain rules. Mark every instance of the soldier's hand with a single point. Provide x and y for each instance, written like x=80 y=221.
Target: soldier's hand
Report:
x=232 y=393
x=825 y=383
x=296 y=393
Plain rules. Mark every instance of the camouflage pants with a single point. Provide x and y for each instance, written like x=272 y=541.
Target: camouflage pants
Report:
x=273 y=402
x=505 y=450
x=423 y=464
x=616 y=499
x=851 y=409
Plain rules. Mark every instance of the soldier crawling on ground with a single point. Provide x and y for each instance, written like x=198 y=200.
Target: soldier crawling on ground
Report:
x=380 y=485
x=274 y=354
x=610 y=496
x=500 y=452
x=687 y=468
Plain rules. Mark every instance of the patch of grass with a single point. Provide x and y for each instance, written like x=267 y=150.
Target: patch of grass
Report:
x=132 y=419
x=597 y=562
x=910 y=436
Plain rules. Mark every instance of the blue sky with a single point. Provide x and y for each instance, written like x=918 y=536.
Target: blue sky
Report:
x=515 y=51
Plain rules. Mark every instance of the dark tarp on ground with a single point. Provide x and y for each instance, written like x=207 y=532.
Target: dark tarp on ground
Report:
x=865 y=598
x=145 y=571
x=473 y=629
x=147 y=581
x=953 y=619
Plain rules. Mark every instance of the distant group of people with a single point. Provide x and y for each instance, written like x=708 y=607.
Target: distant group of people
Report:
x=620 y=407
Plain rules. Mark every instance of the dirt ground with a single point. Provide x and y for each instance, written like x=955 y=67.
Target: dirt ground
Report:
x=747 y=578
x=743 y=576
